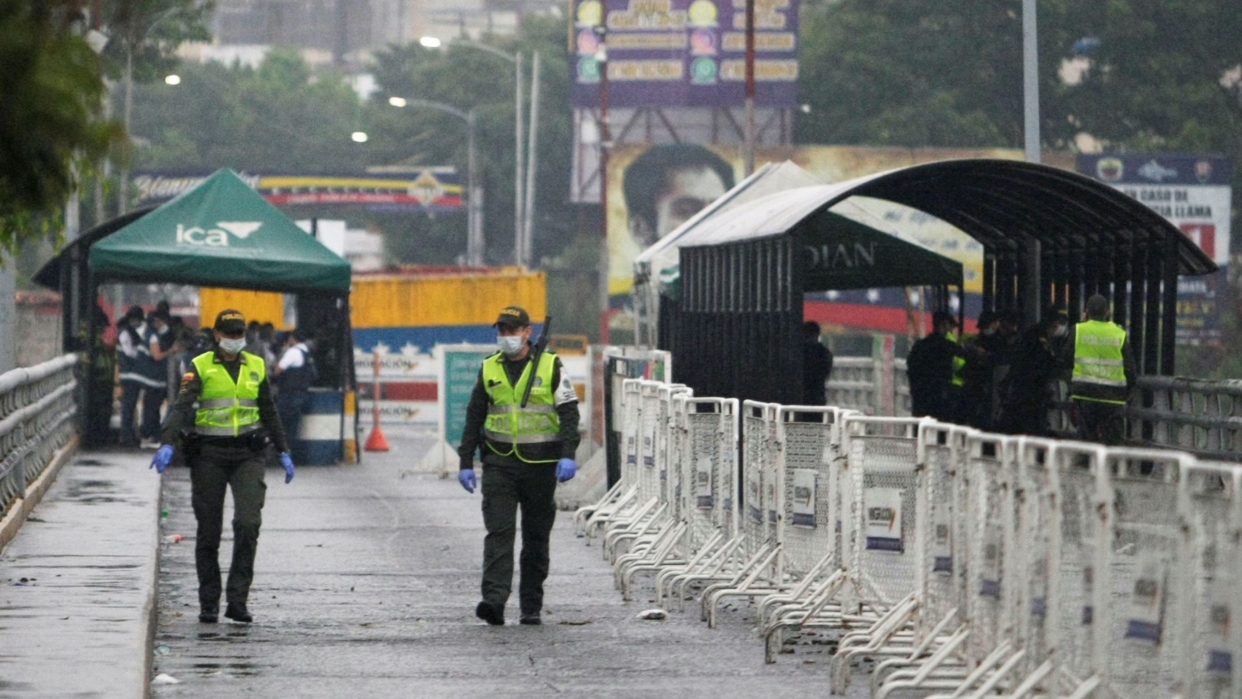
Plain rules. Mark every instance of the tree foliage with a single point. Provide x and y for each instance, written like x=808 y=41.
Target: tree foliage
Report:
x=51 y=89
x=890 y=72
x=153 y=30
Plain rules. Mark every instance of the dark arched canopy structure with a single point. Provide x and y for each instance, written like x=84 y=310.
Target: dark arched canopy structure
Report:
x=1051 y=238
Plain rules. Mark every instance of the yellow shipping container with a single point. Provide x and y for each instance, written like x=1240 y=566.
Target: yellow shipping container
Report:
x=401 y=301
x=448 y=299
x=262 y=306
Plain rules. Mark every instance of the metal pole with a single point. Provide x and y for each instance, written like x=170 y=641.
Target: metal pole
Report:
x=605 y=136
x=1030 y=80
x=531 y=166
x=122 y=189
x=749 y=149
x=474 y=242
x=519 y=159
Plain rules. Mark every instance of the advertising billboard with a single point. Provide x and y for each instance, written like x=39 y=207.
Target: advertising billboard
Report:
x=1194 y=193
x=682 y=53
x=430 y=190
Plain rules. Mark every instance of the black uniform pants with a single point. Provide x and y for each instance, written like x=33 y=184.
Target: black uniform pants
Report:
x=1099 y=421
x=505 y=488
x=213 y=469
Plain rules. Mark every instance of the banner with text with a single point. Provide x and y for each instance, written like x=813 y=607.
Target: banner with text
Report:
x=1194 y=193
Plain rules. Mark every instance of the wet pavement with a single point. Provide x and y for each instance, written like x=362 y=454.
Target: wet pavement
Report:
x=365 y=586
x=77 y=583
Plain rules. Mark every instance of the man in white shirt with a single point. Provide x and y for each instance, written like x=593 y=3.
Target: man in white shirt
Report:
x=141 y=373
x=295 y=373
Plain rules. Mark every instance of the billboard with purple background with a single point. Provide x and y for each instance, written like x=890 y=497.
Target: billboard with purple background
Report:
x=683 y=53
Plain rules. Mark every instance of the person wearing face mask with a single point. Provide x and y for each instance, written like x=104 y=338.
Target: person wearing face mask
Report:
x=526 y=450
x=1104 y=374
x=982 y=351
x=223 y=420
x=1028 y=384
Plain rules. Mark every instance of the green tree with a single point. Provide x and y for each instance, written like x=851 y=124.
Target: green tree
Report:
x=51 y=91
x=888 y=72
x=468 y=78
x=278 y=117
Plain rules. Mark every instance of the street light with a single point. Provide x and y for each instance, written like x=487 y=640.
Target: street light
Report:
x=358 y=137
x=474 y=203
x=523 y=192
x=173 y=79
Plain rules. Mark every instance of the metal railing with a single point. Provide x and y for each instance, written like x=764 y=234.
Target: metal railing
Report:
x=1201 y=417
x=1194 y=415
x=37 y=407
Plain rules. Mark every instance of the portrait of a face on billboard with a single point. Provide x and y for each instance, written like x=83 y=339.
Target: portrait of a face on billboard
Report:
x=667 y=185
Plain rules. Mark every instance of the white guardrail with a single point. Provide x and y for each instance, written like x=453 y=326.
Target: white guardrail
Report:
x=36 y=418
x=938 y=559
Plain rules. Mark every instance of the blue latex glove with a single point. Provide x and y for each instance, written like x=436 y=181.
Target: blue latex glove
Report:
x=162 y=458
x=566 y=469
x=287 y=462
x=467 y=479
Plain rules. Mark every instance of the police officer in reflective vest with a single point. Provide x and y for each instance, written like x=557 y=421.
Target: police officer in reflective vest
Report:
x=525 y=452
x=1103 y=374
x=223 y=419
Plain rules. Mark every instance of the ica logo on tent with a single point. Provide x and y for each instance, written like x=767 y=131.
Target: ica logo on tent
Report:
x=216 y=237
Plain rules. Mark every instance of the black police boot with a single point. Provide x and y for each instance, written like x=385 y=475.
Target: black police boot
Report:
x=531 y=619
x=237 y=612
x=491 y=612
x=208 y=613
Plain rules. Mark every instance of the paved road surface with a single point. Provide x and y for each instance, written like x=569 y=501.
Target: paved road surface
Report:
x=366 y=582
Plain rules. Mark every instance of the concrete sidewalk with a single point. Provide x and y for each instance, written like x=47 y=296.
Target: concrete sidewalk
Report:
x=365 y=586
x=77 y=584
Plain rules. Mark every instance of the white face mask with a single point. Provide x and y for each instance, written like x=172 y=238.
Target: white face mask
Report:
x=510 y=344
x=1061 y=331
x=232 y=346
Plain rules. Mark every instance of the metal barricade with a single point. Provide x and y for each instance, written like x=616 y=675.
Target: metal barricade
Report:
x=1141 y=622
x=1210 y=502
x=880 y=510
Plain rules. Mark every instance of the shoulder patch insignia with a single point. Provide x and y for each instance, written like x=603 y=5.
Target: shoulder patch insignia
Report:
x=187 y=377
x=254 y=375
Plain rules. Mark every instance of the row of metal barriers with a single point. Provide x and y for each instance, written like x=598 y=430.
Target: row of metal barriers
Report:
x=929 y=558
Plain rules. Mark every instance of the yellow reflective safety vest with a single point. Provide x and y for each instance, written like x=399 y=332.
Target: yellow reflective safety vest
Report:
x=227 y=408
x=959 y=362
x=508 y=425
x=1099 y=367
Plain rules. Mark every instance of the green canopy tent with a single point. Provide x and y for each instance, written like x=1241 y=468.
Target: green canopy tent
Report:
x=220 y=234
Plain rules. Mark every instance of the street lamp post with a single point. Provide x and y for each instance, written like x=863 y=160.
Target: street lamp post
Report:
x=474 y=195
x=523 y=192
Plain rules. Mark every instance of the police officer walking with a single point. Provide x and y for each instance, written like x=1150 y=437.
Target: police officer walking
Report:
x=526 y=450
x=224 y=440
x=1103 y=375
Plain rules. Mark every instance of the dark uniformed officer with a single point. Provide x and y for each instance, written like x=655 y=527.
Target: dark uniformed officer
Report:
x=1104 y=373
x=932 y=367
x=224 y=418
x=525 y=452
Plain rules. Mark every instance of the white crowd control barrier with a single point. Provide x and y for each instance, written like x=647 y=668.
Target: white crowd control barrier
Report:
x=941 y=560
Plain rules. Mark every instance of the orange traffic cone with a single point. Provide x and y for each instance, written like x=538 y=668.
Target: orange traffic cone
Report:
x=376 y=440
